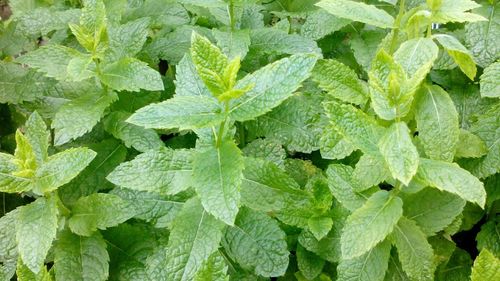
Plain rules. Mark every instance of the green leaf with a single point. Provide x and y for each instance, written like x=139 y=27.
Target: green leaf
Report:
x=188 y=81
x=132 y=135
x=320 y=24
x=415 y=54
x=91 y=32
x=61 y=168
x=8 y=244
x=79 y=116
x=490 y=85
x=11 y=181
x=454 y=11
x=399 y=152
x=257 y=243
x=38 y=136
x=81 y=258
x=340 y=82
x=265 y=187
x=344 y=186
x=369 y=267
x=33 y=246
x=432 y=209
x=276 y=41
x=357 y=11
x=18 y=84
x=310 y=265
x=183 y=112
x=370 y=171
x=451 y=178
x=294 y=123
x=272 y=84
x=195 y=236
x=52 y=60
x=127 y=40
x=98 y=211
x=41 y=21
x=23 y=273
x=233 y=43
x=110 y=153
x=332 y=145
x=131 y=75
x=459 y=53
x=319 y=226
x=415 y=253
x=489 y=238
x=437 y=123
x=355 y=126
x=482 y=37
x=470 y=146
x=458 y=267
x=370 y=224
x=486 y=267
x=165 y=171
x=267 y=149
x=217 y=176
x=214 y=269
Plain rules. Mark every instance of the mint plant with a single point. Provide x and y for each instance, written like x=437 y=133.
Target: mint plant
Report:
x=249 y=140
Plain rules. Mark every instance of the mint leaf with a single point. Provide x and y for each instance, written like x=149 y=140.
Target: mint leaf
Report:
x=489 y=237
x=370 y=224
x=164 y=171
x=415 y=54
x=356 y=11
x=182 y=112
x=188 y=81
x=81 y=258
x=370 y=171
x=486 y=267
x=34 y=246
x=275 y=41
x=98 y=211
x=481 y=37
x=399 y=152
x=215 y=268
x=127 y=40
x=131 y=75
x=272 y=84
x=38 y=136
x=459 y=53
x=195 y=236
x=233 y=43
x=320 y=24
x=451 y=178
x=490 y=87
x=437 y=123
x=369 y=267
x=414 y=252
x=257 y=243
x=345 y=187
x=340 y=82
x=470 y=146
x=310 y=264
x=217 y=176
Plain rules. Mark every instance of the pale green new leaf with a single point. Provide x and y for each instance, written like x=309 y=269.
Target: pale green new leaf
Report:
x=369 y=267
x=214 y=269
x=52 y=60
x=340 y=81
x=164 y=170
x=210 y=63
x=132 y=135
x=33 y=246
x=437 y=123
x=355 y=126
x=195 y=236
x=131 y=74
x=23 y=273
x=414 y=251
x=459 y=53
x=272 y=84
x=357 y=11
x=451 y=178
x=217 y=177
x=432 y=209
x=370 y=224
x=98 y=211
x=490 y=81
x=257 y=243
x=182 y=112
x=399 y=152
x=455 y=11
x=486 y=267
x=81 y=258
x=38 y=136
x=61 y=168
x=79 y=116
x=10 y=179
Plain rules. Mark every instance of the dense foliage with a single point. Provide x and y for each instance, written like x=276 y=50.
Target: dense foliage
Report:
x=249 y=140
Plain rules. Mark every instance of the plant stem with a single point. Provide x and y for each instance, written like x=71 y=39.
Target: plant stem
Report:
x=397 y=22
x=232 y=19
x=222 y=125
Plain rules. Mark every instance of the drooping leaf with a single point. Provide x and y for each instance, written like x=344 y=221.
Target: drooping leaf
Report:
x=459 y=53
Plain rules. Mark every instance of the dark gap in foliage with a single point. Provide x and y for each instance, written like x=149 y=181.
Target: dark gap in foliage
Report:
x=466 y=240
x=163 y=67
